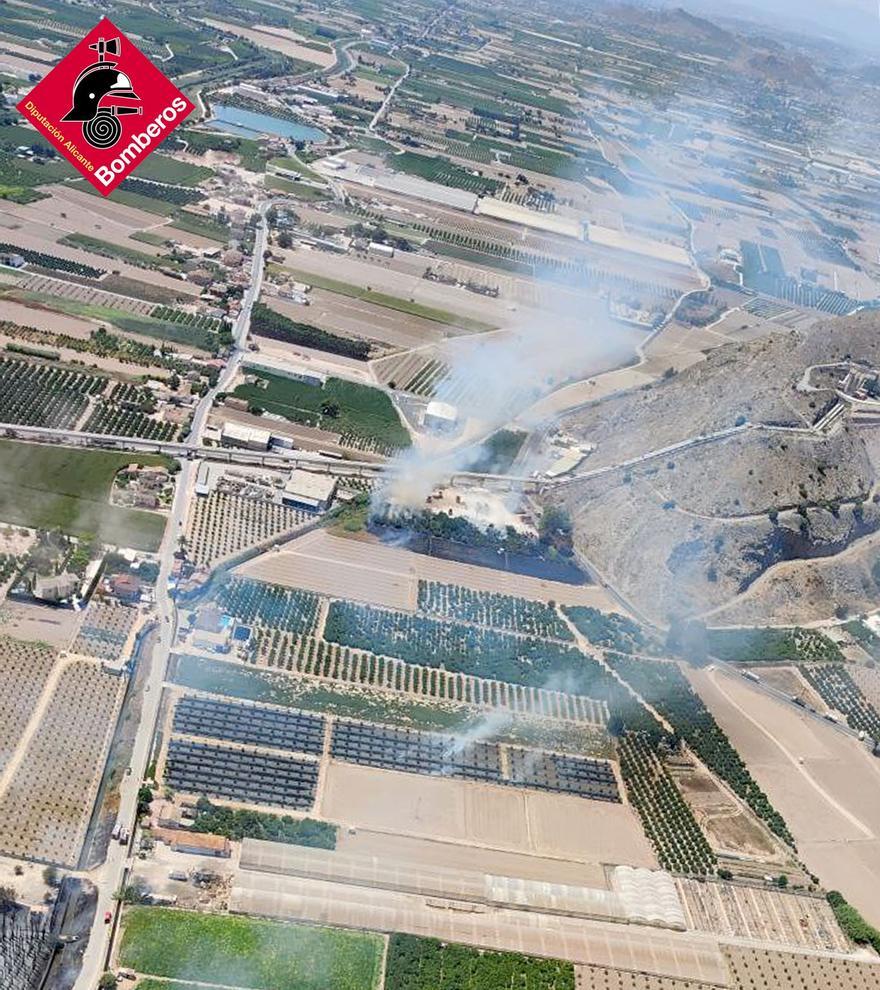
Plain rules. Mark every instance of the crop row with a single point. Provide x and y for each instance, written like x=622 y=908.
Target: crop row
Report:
x=443 y=171
x=44 y=395
x=127 y=394
x=839 y=691
x=318 y=658
x=122 y=421
x=610 y=629
x=663 y=686
x=457 y=647
x=160 y=190
x=53 y=261
x=197 y=321
x=428 y=964
x=666 y=817
x=270 y=605
x=488 y=608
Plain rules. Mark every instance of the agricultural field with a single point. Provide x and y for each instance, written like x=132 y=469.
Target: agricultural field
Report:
x=94 y=304
x=47 y=487
x=52 y=261
x=265 y=322
x=248 y=953
x=666 y=818
x=164 y=168
x=442 y=170
x=756 y=645
x=415 y=963
x=753 y=968
x=104 y=630
x=387 y=301
x=354 y=410
x=24 y=671
x=223 y=523
x=611 y=630
x=195 y=321
x=120 y=252
x=490 y=609
x=663 y=686
x=767 y=914
x=457 y=647
x=286 y=609
x=840 y=692
x=46 y=803
x=122 y=421
x=240 y=823
x=332 y=662
x=34 y=287
x=36 y=394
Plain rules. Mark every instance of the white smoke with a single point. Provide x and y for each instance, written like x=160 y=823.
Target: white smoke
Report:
x=495 y=378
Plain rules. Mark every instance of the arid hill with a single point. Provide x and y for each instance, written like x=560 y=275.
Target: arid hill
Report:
x=760 y=479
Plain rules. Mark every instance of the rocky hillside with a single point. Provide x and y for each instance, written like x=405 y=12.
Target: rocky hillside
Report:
x=693 y=530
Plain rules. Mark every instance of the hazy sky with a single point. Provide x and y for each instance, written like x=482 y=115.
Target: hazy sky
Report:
x=857 y=21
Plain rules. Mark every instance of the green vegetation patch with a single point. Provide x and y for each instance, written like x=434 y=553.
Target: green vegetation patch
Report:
x=57 y=487
x=428 y=964
x=163 y=168
x=248 y=953
x=771 y=645
x=146 y=326
x=203 y=226
x=265 y=322
x=611 y=629
x=664 y=686
x=445 y=172
x=299 y=190
x=852 y=923
x=238 y=824
x=340 y=406
x=498 y=452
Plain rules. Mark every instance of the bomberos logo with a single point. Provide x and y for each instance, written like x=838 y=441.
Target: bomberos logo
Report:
x=105 y=106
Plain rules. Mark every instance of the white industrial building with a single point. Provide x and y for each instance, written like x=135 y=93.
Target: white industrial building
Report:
x=236 y=435
x=441 y=417
x=308 y=490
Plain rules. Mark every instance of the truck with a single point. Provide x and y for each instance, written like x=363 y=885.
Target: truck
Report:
x=752 y=676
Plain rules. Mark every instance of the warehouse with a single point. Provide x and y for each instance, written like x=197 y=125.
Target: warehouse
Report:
x=236 y=435
x=307 y=490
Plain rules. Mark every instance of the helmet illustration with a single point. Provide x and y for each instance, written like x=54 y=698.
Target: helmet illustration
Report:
x=97 y=81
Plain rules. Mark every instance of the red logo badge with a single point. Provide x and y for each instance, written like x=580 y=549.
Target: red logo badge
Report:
x=105 y=107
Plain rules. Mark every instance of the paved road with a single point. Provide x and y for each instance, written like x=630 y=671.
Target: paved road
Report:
x=380 y=113
x=109 y=877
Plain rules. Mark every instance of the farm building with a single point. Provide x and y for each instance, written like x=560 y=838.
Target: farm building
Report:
x=441 y=417
x=307 y=490
x=55 y=587
x=236 y=435
x=194 y=843
x=203 y=480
